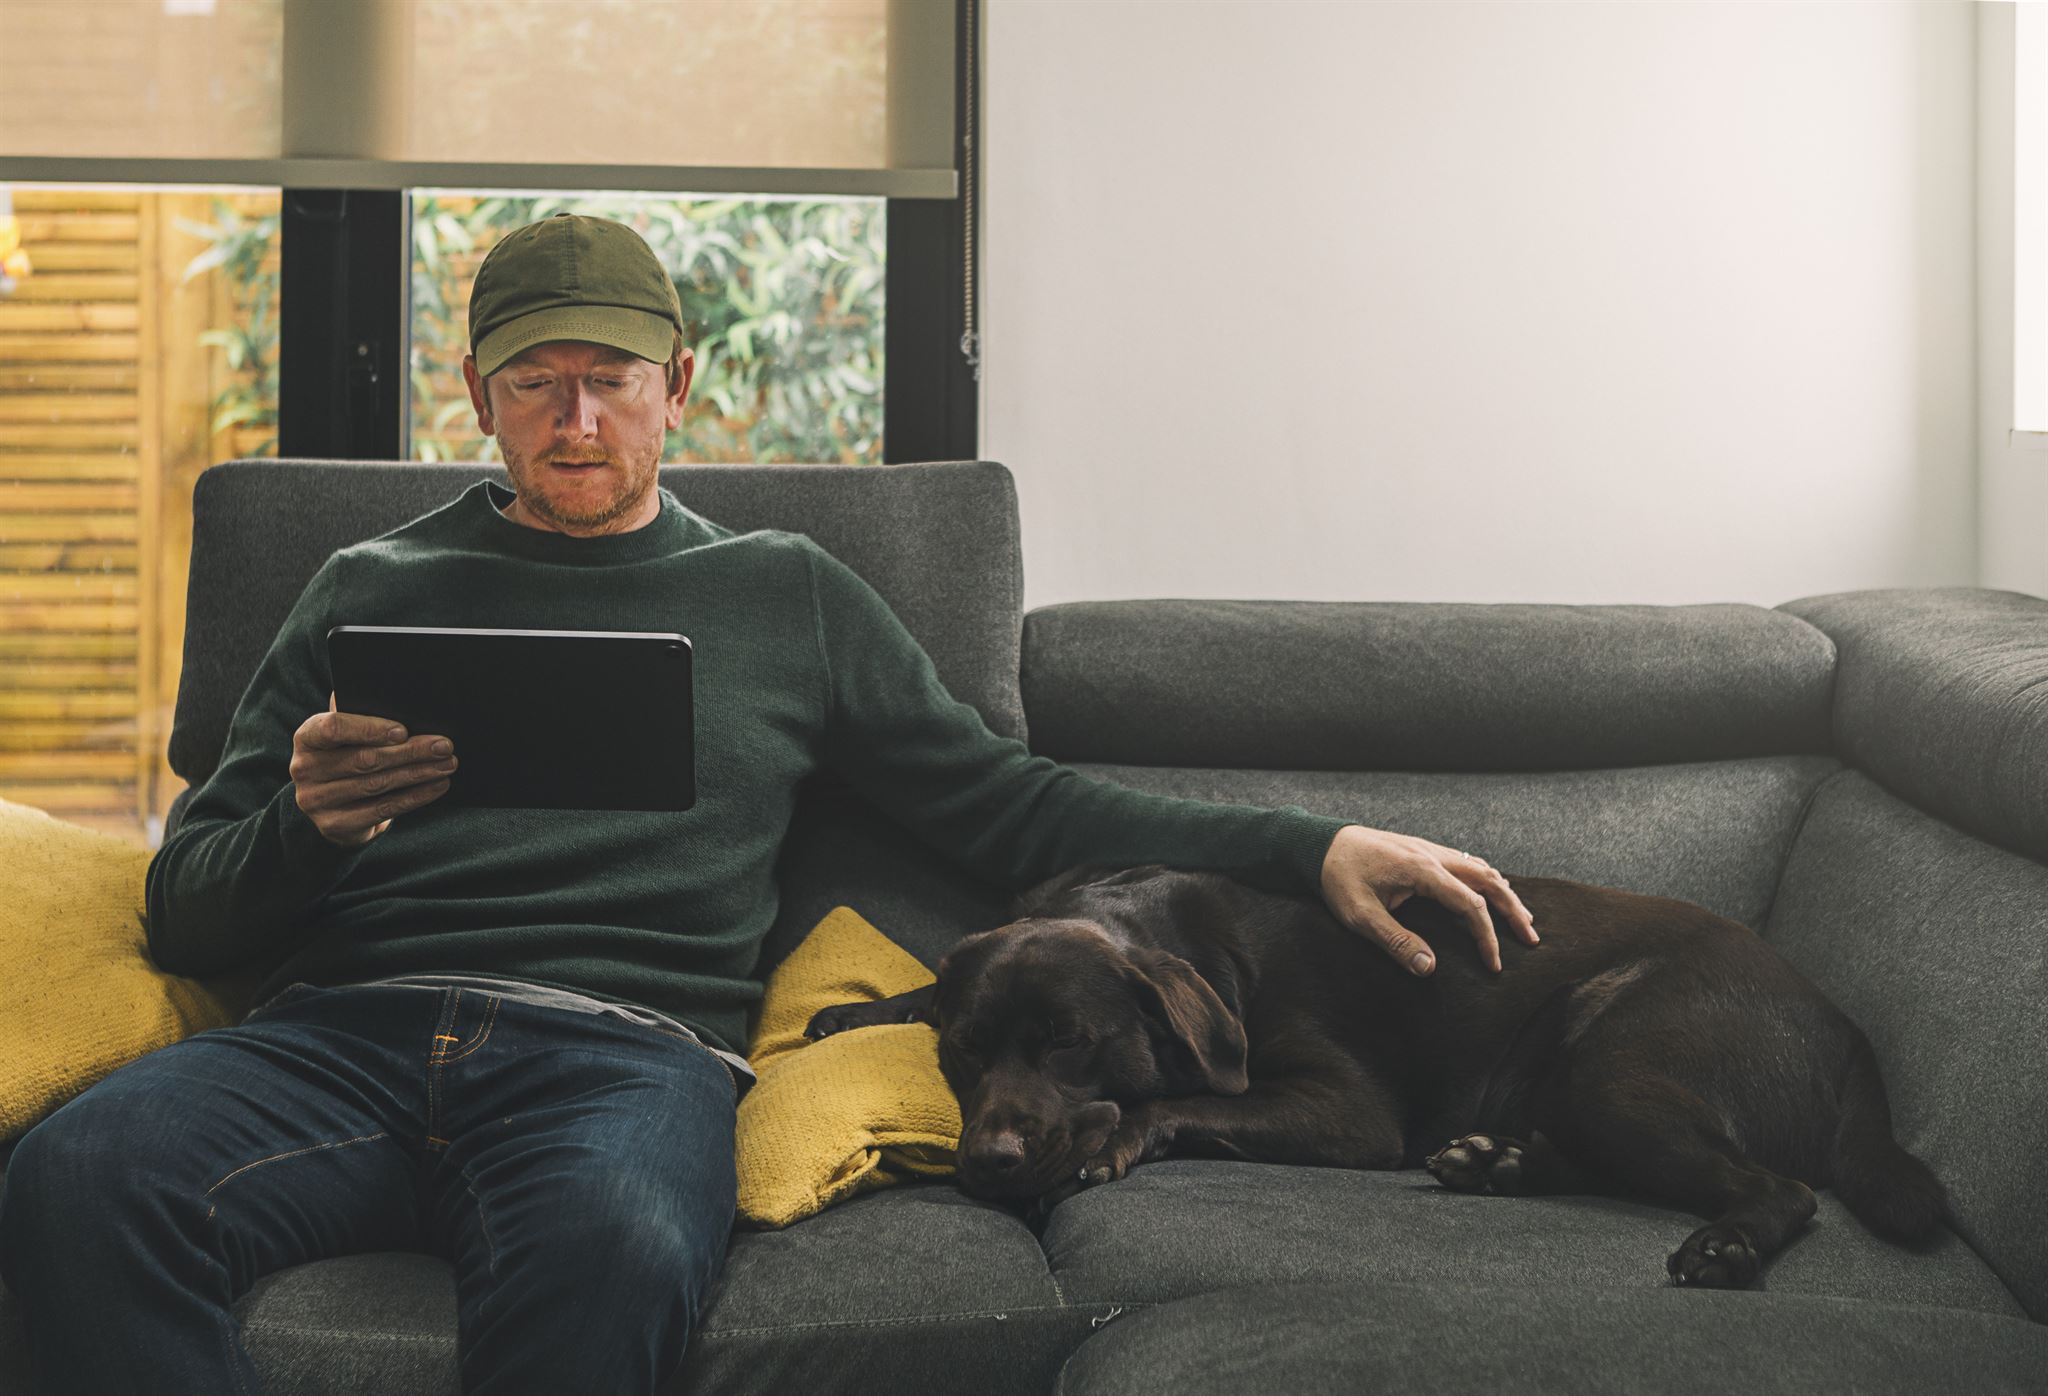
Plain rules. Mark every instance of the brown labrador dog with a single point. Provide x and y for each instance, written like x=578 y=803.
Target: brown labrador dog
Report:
x=1646 y=1047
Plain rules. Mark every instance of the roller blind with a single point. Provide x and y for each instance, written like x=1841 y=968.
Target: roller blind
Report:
x=714 y=96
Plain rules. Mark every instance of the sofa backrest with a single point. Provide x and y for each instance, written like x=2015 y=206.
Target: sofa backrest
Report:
x=1917 y=897
x=1665 y=749
x=1413 y=686
x=939 y=542
x=1941 y=693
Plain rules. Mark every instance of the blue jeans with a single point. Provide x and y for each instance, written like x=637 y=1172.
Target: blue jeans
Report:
x=575 y=1169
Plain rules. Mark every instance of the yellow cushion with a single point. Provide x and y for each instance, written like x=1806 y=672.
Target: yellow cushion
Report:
x=858 y=1111
x=81 y=996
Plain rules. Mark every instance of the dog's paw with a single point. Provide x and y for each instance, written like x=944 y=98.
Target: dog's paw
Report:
x=1479 y=1163
x=1720 y=1256
x=1112 y=1142
x=841 y=1017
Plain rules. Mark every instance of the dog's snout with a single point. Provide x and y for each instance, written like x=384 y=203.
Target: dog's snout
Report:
x=997 y=1153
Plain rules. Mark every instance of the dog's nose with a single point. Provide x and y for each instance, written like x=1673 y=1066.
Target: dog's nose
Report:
x=997 y=1154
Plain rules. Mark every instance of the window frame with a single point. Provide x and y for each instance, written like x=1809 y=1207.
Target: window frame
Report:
x=344 y=385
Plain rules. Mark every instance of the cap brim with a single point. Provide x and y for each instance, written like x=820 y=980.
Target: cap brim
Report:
x=636 y=331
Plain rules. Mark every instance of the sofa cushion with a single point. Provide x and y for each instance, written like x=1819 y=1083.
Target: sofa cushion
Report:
x=916 y=1289
x=1410 y=686
x=828 y=1120
x=1941 y=694
x=1457 y=1338
x=1930 y=939
x=82 y=998
x=1715 y=833
x=913 y=1289
x=1184 y=1226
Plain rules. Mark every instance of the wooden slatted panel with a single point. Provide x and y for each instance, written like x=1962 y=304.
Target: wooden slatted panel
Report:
x=71 y=463
x=106 y=397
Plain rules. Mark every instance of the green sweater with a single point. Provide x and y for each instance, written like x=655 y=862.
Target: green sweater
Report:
x=799 y=664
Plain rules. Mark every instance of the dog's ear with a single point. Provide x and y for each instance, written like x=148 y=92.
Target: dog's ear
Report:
x=1205 y=1041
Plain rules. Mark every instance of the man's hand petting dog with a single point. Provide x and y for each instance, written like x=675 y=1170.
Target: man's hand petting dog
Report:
x=1369 y=872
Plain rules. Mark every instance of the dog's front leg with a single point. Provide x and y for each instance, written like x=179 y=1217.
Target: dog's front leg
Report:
x=1135 y=1138
x=1308 y=1120
x=912 y=1007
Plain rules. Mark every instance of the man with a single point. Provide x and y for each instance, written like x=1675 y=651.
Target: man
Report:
x=509 y=1037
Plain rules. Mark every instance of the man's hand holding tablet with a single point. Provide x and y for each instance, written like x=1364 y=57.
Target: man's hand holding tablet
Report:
x=354 y=774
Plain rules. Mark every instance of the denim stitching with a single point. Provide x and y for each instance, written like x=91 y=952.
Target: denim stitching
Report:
x=434 y=1072
x=225 y=1322
x=483 y=1222
x=731 y=1077
x=490 y=1017
x=291 y=1153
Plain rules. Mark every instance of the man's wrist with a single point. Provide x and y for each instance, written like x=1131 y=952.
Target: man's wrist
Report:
x=1337 y=840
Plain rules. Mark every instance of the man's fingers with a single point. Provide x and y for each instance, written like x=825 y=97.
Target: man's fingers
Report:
x=320 y=760
x=359 y=823
x=346 y=792
x=1410 y=951
x=1460 y=898
x=331 y=729
x=1503 y=896
x=1489 y=883
x=1497 y=890
x=352 y=774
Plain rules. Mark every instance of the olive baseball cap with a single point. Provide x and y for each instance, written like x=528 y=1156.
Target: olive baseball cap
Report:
x=572 y=276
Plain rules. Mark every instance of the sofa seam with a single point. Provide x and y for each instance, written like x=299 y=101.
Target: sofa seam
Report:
x=1798 y=828
x=708 y=1334
x=352 y=1335
x=918 y=1320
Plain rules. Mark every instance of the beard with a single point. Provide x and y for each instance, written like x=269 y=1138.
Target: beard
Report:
x=582 y=507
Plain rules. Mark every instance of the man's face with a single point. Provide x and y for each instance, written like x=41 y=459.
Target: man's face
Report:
x=581 y=428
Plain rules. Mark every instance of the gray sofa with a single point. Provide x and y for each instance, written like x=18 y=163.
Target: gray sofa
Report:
x=1861 y=777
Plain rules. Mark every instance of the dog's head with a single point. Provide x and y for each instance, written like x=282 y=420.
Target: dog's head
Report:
x=1046 y=1026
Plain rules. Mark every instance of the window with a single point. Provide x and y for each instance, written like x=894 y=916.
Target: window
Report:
x=138 y=345
x=812 y=223
x=783 y=301
x=2030 y=226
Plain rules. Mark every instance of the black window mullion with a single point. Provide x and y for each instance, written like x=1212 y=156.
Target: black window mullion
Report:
x=930 y=395
x=343 y=383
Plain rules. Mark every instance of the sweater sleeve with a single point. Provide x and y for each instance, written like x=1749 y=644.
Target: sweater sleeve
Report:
x=236 y=881
x=1010 y=817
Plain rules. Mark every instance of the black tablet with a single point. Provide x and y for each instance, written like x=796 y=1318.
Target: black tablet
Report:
x=540 y=719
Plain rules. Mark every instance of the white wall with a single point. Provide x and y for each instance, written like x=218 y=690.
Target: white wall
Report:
x=1459 y=302
x=2012 y=501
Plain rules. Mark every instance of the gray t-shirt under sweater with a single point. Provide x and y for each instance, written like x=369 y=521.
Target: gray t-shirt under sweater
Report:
x=547 y=996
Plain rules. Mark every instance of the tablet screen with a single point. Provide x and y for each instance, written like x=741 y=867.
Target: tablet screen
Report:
x=540 y=719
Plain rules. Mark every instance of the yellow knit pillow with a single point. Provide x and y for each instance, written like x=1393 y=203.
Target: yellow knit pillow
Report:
x=82 y=997
x=859 y=1110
